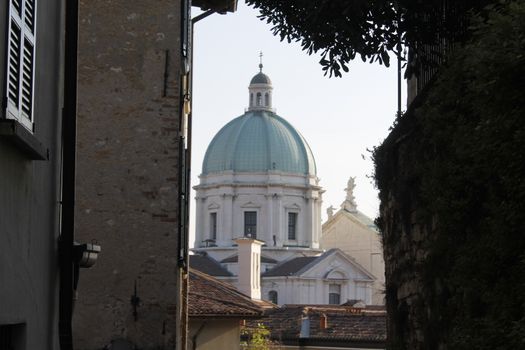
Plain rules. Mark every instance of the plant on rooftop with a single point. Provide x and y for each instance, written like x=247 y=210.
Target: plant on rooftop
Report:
x=256 y=338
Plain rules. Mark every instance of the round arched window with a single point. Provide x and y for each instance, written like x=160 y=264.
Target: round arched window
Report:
x=273 y=297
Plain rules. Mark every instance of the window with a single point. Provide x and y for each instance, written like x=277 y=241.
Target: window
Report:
x=292 y=226
x=251 y=100
x=259 y=99
x=250 y=224
x=21 y=61
x=273 y=297
x=266 y=99
x=12 y=336
x=213 y=226
x=334 y=294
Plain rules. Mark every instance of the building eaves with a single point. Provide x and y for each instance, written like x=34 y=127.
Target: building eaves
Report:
x=209 y=297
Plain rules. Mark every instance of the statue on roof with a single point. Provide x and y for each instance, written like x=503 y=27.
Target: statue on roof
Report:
x=330 y=211
x=349 y=204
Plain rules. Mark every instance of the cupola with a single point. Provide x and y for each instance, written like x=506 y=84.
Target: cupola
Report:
x=260 y=91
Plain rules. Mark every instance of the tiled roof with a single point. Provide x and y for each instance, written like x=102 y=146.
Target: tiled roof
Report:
x=297 y=266
x=290 y=267
x=209 y=297
x=343 y=323
x=235 y=258
x=208 y=265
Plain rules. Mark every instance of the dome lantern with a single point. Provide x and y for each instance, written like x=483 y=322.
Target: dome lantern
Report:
x=260 y=91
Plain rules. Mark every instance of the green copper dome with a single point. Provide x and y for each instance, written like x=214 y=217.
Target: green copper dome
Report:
x=259 y=141
x=260 y=78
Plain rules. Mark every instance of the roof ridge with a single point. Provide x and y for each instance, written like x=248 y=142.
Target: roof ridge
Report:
x=255 y=308
x=226 y=285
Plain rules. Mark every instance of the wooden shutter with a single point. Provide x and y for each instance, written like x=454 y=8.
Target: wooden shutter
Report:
x=21 y=61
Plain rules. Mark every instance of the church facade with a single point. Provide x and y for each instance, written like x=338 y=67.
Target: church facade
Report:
x=356 y=235
x=259 y=180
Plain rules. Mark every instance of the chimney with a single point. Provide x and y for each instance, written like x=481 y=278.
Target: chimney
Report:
x=249 y=262
x=323 y=320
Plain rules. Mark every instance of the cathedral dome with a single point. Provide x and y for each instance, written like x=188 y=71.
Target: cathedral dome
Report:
x=260 y=78
x=259 y=141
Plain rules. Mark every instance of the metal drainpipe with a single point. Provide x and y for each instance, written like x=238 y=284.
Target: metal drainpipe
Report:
x=194 y=338
x=185 y=173
x=185 y=155
x=65 y=243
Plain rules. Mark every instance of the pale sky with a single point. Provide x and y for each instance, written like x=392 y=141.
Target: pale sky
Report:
x=339 y=117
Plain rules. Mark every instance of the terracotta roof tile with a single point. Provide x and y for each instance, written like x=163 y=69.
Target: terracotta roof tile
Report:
x=343 y=323
x=209 y=297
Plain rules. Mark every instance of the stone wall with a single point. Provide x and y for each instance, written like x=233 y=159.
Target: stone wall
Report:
x=450 y=177
x=127 y=172
x=407 y=240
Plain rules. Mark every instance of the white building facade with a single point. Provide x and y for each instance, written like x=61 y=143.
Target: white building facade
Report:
x=259 y=180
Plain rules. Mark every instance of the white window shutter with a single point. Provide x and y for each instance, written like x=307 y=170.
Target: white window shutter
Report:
x=21 y=61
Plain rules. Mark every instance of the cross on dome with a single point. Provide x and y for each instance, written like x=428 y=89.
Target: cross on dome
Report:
x=260 y=62
x=260 y=90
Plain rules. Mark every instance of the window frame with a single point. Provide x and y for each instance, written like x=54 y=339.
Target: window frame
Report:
x=271 y=294
x=247 y=225
x=21 y=107
x=296 y=216
x=213 y=225
x=332 y=294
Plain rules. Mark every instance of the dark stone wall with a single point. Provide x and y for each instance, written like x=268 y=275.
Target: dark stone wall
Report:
x=450 y=176
x=406 y=240
x=127 y=174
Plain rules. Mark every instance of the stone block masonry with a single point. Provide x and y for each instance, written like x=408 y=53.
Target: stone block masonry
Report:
x=127 y=173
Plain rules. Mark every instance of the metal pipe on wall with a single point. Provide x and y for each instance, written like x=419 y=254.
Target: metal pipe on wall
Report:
x=67 y=227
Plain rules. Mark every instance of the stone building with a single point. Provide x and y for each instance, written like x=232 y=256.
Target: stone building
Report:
x=259 y=180
x=31 y=76
x=133 y=152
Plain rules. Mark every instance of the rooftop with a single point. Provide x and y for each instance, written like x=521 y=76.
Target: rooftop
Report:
x=235 y=258
x=343 y=325
x=206 y=264
x=290 y=267
x=259 y=141
x=209 y=297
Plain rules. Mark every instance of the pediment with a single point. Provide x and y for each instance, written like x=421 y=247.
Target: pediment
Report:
x=293 y=206
x=213 y=205
x=250 y=204
x=337 y=265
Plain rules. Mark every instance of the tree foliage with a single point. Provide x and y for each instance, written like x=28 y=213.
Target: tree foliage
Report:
x=256 y=338
x=468 y=181
x=341 y=30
